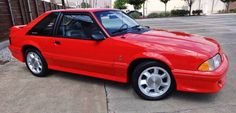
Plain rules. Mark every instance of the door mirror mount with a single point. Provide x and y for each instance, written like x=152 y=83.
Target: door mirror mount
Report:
x=98 y=36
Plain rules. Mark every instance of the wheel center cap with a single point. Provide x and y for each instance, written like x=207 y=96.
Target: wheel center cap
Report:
x=35 y=63
x=154 y=81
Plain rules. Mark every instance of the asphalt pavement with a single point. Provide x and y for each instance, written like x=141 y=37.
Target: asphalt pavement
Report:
x=69 y=93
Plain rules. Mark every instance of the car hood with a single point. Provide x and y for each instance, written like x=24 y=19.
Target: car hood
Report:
x=199 y=44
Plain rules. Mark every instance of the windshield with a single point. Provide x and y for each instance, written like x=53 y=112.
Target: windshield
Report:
x=115 y=21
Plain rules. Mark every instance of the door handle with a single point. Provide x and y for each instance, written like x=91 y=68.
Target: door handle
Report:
x=57 y=42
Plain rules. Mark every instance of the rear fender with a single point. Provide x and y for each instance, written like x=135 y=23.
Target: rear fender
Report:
x=31 y=43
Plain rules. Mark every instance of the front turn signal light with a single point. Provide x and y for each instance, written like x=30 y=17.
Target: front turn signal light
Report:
x=210 y=64
x=205 y=66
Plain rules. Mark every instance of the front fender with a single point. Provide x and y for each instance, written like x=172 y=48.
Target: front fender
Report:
x=151 y=55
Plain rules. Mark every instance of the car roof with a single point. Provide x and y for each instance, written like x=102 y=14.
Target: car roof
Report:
x=83 y=10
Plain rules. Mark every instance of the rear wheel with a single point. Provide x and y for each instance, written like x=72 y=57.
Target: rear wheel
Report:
x=36 y=63
x=152 y=80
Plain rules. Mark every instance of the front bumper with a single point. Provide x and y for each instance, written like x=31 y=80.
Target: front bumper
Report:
x=202 y=82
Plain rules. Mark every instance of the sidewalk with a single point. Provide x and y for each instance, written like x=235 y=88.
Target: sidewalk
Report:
x=5 y=54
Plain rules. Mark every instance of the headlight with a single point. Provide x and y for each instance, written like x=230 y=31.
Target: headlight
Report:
x=211 y=64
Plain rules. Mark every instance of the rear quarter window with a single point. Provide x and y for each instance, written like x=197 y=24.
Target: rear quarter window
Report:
x=45 y=26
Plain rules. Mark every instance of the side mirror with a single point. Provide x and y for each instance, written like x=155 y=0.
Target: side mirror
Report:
x=147 y=27
x=98 y=36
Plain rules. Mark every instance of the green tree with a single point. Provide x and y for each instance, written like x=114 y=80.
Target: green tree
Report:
x=120 y=4
x=227 y=3
x=165 y=2
x=84 y=5
x=136 y=3
x=190 y=4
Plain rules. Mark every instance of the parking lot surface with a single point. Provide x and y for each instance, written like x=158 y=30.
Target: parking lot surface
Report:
x=69 y=93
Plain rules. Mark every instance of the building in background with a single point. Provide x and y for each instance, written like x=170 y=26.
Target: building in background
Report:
x=232 y=5
x=208 y=6
x=92 y=3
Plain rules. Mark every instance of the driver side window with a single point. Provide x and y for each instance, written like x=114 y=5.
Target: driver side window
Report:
x=79 y=26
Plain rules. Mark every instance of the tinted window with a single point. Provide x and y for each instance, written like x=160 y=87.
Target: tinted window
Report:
x=79 y=26
x=45 y=26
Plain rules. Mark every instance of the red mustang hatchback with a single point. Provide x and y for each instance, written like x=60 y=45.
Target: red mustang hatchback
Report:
x=107 y=44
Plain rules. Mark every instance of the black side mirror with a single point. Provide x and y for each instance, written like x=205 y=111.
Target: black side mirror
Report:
x=147 y=27
x=98 y=36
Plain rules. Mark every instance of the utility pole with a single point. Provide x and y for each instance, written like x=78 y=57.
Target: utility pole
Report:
x=200 y=4
x=212 y=8
x=63 y=4
x=143 y=9
x=90 y=3
x=68 y=5
x=96 y=3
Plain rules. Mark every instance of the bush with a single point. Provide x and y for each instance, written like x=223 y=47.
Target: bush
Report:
x=221 y=11
x=232 y=11
x=179 y=12
x=153 y=15
x=163 y=14
x=158 y=15
x=197 y=12
x=85 y=5
x=135 y=14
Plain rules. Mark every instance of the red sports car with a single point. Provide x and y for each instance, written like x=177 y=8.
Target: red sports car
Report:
x=108 y=44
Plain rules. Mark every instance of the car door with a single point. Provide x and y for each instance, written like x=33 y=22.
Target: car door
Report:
x=74 y=50
x=41 y=33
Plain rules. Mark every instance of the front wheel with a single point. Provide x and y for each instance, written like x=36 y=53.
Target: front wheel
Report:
x=152 y=80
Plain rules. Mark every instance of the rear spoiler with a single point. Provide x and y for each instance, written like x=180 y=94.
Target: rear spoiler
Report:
x=17 y=27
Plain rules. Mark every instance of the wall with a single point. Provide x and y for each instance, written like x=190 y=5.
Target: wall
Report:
x=21 y=13
x=232 y=5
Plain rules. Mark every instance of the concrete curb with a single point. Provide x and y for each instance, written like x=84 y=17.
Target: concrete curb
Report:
x=4 y=44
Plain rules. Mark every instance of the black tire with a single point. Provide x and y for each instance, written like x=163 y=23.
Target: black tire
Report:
x=44 y=71
x=137 y=73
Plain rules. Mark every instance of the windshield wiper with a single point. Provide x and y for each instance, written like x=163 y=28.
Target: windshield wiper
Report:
x=124 y=29
x=136 y=26
x=120 y=30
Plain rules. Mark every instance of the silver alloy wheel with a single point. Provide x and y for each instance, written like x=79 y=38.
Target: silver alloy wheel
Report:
x=34 y=62
x=154 y=81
